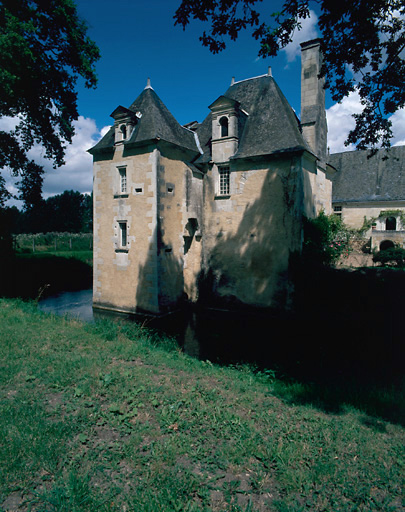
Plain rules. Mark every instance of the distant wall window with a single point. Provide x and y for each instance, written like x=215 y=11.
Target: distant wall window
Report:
x=122 y=225
x=123 y=180
x=224 y=123
x=337 y=210
x=224 y=181
x=391 y=224
x=386 y=244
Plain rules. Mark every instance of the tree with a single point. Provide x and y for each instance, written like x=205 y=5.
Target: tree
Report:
x=363 y=43
x=70 y=212
x=44 y=49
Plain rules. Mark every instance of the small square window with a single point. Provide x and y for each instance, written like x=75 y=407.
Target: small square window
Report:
x=224 y=181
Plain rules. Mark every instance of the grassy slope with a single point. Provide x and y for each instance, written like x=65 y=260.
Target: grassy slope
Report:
x=96 y=417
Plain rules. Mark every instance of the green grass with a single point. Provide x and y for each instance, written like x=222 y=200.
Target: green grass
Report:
x=53 y=242
x=109 y=417
x=86 y=256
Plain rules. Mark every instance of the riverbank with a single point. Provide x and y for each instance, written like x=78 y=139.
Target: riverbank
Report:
x=34 y=275
x=112 y=417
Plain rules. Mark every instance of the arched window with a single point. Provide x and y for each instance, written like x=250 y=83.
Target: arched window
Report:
x=391 y=224
x=224 y=126
x=123 y=129
x=386 y=244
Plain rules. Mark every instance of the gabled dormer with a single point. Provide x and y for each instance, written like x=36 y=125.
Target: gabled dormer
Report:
x=225 y=115
x=124 y=123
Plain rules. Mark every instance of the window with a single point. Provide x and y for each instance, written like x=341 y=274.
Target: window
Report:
x=123 y=129
x=391 y=224
x=386 y=244
x=224 y=126
x=123 y=180
x=224 y=181
x=122 y=225
x=337 y=210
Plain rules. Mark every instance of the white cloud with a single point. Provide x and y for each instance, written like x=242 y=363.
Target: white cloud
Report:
x=308 y=31
x=7 y=124
x=77 y=173
x=104 y=130
x=398 y=127
x=340 y=122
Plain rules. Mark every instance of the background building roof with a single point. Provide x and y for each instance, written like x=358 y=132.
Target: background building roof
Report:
x=362 y=178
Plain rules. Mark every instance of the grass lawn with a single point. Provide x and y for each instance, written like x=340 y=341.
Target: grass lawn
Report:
x=106 y=417
x=86 y=256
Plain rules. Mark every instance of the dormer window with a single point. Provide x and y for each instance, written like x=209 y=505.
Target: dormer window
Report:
x=125 y=121
x=224 y=124
x=123 y=131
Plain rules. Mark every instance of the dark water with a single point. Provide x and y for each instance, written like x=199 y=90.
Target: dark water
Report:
x=344 y=325
x=75 y=304
x=218 y=336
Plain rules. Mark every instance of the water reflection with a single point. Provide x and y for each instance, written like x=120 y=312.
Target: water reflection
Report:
x=74 y=304
x=218 y=336
x=316 y=342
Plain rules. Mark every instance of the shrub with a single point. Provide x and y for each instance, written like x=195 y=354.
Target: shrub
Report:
x=326 y=239
x=394 y=256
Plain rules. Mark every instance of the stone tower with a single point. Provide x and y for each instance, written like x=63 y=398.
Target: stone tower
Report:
x=313 y=115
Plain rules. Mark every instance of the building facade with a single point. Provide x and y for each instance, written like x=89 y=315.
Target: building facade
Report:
x=371 y=189
x=211 y=210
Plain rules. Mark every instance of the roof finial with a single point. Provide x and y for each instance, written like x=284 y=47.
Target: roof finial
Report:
x=148 y=86
x=269 y=73
x=232 y=81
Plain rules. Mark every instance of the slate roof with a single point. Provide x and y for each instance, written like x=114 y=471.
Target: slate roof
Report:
x=156 y=122
x=359 y=178
x=271 y=126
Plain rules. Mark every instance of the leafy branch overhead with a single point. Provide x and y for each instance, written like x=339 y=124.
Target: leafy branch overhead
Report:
x=363 y=44
x=44 y=49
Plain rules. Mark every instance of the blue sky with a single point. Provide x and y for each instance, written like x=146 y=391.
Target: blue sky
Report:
x=137 y=40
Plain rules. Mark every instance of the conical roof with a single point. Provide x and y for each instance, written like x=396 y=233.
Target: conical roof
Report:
x=154 y=122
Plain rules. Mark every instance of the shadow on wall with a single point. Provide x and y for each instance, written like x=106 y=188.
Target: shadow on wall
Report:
x=160 y=284
x=250 y=265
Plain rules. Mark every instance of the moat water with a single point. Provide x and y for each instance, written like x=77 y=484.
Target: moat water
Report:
x=358 y=335
x=217 y=336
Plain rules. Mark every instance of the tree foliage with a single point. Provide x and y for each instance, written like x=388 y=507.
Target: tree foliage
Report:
x=393 y=256
x=70 y=212
x=363 y=43
x=326 y=240
x=44 y=49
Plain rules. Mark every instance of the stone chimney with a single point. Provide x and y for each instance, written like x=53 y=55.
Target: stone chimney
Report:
x=313 y=115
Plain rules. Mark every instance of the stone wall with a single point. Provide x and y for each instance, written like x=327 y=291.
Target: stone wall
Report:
x=249 y=236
